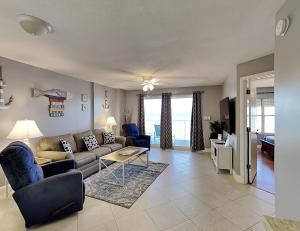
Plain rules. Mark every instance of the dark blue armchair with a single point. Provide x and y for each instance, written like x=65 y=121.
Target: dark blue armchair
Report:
x=131 y=132
x=42 y=193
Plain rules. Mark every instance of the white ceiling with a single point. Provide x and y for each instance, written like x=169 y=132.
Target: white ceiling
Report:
x=114 y=42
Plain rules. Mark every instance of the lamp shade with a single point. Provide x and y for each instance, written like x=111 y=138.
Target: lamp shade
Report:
x=111 y=121
x=25 y=129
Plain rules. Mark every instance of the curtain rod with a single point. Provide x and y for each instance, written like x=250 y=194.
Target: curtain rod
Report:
x=182 y=93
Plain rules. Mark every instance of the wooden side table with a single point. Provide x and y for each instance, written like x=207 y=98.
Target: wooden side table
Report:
x=39 y=160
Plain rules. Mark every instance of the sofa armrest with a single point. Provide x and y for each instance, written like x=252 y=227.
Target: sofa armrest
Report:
x=121 y=140
x=58 y=167
x=51 y=198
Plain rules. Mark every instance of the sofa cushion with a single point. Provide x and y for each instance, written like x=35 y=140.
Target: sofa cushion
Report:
x=99 y=135
x=82 y=158
x=52 y=155
x=53 y=144
x=79 y=141
x=113 y=147
x=101 y=151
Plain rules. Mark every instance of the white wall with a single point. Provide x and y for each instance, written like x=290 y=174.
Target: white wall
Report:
x=210 y=104
x=287 y=95
x=231 y=89
x=20 y=78
x=230 y=84
x=116 y=100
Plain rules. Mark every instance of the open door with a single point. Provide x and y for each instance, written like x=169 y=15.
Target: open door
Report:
x=252 y=132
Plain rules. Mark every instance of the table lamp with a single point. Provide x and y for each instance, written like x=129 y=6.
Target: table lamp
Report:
x=25 y=130
x=110 y=122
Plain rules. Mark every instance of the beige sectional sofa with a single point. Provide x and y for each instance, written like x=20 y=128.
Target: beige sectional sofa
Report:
x=86 y=161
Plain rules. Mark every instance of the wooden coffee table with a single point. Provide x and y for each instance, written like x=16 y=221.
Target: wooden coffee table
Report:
x=133 y=153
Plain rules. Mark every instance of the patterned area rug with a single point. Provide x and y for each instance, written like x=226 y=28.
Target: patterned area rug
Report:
x=137 y=180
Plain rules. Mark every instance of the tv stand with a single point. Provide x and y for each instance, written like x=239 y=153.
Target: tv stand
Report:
x=221 y=155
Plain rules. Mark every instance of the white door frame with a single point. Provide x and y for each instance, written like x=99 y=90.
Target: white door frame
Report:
x=243 y=122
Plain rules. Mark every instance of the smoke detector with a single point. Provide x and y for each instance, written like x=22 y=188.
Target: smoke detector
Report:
x=33 y=25
x=282 y=26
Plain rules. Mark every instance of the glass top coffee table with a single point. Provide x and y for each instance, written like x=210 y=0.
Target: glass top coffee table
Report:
x=124 y=156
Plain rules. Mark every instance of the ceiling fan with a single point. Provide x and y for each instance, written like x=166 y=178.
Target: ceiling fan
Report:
x=149 y=83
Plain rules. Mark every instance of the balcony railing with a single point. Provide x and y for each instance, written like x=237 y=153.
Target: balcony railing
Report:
x=180 y=130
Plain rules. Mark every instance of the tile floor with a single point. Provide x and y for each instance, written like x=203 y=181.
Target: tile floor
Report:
x=187 y=196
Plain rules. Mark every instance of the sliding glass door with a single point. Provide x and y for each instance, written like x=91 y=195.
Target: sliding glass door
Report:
x=152 y=118
x=181 y=120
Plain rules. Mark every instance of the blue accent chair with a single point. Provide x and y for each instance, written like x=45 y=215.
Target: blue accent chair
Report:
x=133 y=138
x=42 y=193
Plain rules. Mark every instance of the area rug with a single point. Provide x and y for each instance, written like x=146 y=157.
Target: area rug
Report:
x=137 y=180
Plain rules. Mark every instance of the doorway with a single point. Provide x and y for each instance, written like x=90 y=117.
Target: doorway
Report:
x=259 y=130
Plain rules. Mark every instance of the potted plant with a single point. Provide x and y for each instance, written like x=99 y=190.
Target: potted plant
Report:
x=216 y=128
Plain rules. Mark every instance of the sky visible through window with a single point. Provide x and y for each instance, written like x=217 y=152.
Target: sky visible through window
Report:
x=181 y=116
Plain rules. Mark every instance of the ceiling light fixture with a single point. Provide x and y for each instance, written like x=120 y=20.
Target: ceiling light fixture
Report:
x=33 y=25
x=149 y=83
x=148 y=87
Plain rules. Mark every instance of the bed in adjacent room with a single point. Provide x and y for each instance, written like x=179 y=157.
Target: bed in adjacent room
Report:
x=268 y=144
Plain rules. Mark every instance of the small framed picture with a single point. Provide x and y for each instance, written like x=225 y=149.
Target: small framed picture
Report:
x=83 y=107
x=84 y=97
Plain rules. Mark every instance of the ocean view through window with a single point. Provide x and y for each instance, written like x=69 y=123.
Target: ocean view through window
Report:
x=181 y=119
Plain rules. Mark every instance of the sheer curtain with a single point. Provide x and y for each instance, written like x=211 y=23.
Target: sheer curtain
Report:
x=141 y=114
x=197 y=143
x=166 y=122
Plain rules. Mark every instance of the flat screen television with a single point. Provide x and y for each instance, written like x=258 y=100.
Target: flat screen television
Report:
x=227 y=114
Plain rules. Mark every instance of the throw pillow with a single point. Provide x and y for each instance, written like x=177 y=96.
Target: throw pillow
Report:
x=66 y=146
x=90 y=142
x=108 y=138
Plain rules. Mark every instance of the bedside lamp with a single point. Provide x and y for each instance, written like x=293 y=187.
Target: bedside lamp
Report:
x=25 y=130
x=110 y=122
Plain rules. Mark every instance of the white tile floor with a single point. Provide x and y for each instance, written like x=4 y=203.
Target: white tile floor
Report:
x=187 y=196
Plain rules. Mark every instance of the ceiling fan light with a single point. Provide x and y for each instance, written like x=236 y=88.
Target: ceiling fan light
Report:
x=151 y=87
x=33 y=25
x=145 y=88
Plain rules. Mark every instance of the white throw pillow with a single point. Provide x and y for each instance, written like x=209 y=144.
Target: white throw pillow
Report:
x=228 y=141
x=66 y=146
x=109 y=138
x=90 y=142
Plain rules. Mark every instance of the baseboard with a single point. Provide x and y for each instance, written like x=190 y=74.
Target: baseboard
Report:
x=237 y=177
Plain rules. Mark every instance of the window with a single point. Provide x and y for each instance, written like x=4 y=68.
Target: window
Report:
x=269 y=115
x=181 y=120
x=152 y=118
x=265 y=115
